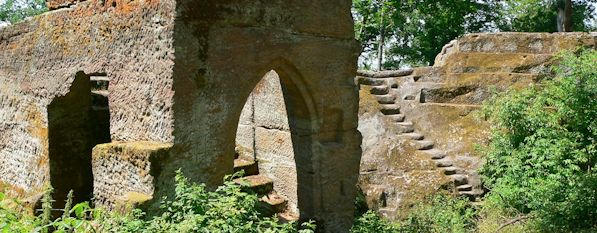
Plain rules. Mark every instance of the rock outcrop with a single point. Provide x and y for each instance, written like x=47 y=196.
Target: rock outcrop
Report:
x=420 y=127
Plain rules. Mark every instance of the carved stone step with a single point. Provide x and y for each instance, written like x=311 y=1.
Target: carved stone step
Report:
x=405 y=127
x=444 y=163
x=390 y=109
x=371 y=81
x=397 y=117
x=412 y=136
x=385 y=99
x=259 y=184
x=424 y=145
x=287 y=216
x=434 y=153
x=380 y=90
x=407 y=124
x=472 y=195
x=249 y=167
x=464 y=188
x=459 y=179
x=104 y=93
x=450 y=170
x=272 y=204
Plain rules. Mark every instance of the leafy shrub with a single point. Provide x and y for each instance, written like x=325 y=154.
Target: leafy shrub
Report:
x=442 y=213
x=543 y=152
x=74 y=219
x=494 y=216
x=370 y=222
x=16 y=10
x=192 y=209
x=439 y=213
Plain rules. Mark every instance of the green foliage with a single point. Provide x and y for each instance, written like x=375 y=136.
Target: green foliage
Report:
x=543 y=152
x=541 y=15
x=74 y=219
x=370 y=222
x=192 y=209
x=16 y=10
x=438 y=214
x=367 y=14
x=493 y=215
x=417 y=29
x=425 y=26
x=441 y=213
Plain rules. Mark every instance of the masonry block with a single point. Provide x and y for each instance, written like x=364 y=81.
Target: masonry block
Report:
x=125 y=172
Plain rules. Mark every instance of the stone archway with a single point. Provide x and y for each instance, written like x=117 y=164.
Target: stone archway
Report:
x=264 y=139
x=322 y=120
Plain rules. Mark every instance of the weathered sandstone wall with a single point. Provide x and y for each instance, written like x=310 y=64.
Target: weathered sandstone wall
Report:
x=179 y=74
x=130 y=42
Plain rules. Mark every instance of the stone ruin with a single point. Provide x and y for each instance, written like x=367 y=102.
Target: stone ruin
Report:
x=420 y=126
x=111 y=98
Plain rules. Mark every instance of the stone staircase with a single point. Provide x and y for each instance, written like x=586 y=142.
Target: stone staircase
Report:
x=270 y=203
x=382 y=90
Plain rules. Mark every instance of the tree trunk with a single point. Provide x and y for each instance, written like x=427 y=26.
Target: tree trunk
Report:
x=564 y=15
x=362 y=30
x=381 y=37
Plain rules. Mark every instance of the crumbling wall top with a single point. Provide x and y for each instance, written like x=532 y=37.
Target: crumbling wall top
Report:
x=57 y=4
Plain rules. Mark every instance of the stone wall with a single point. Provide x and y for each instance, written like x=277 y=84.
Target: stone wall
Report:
x=180 y=72
x=39 y=58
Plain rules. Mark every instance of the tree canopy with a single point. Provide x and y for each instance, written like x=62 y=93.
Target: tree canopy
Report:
x=13 y=11
x=542 y=15
x=414 y=31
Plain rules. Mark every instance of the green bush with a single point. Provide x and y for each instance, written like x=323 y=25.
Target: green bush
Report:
x=192 y=209
x=441 y=213
x=543 y=150
x=370 y=222
x=14 y=11
x=438 y=214
x=74 y=219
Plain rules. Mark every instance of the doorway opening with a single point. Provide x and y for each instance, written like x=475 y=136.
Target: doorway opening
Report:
x=77 y=122
x=264 y=139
